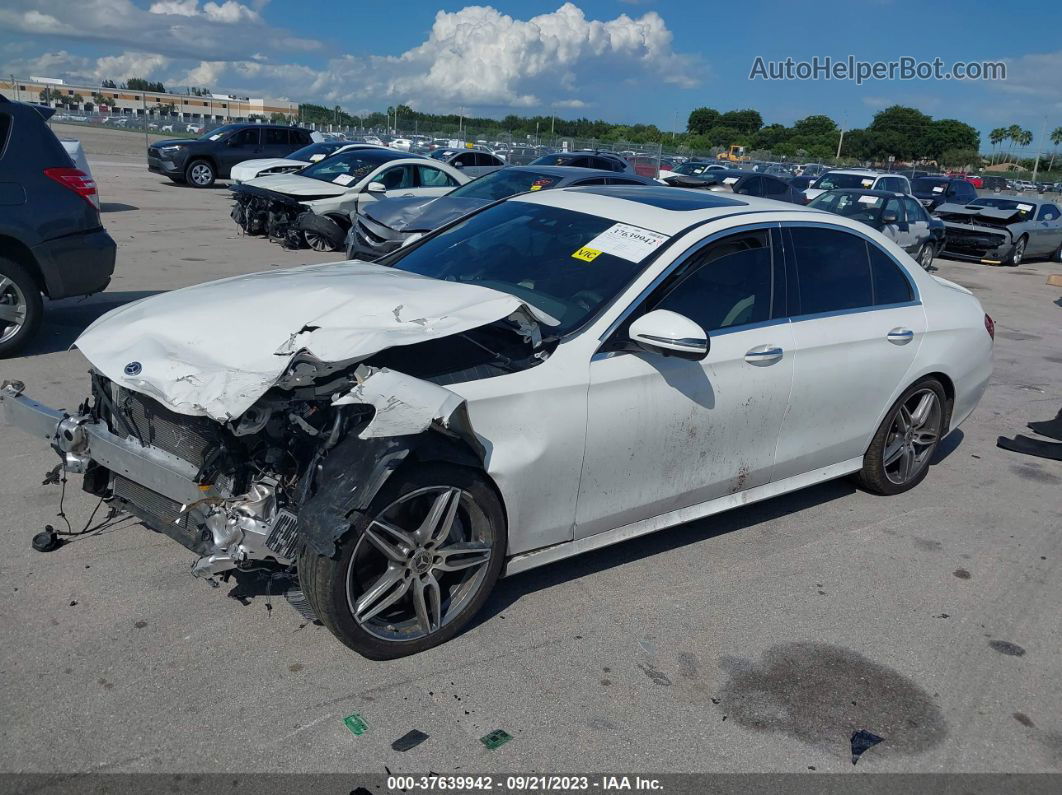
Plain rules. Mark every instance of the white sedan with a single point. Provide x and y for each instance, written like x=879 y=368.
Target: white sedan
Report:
x=551 y=374
x=296 y=161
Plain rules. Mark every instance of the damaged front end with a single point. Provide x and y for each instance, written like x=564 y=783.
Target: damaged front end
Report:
x=295 y=466
x=982 y=234
x=283 y=219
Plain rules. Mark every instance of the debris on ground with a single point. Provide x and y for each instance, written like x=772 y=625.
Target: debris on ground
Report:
x=356 y=724
x=410 y=739
x=496 y=739
x=863 y=740
x=1029 y=446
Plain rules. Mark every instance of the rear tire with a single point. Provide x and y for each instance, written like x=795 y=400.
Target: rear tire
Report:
x=898 y=457
x=21 y=307
x=421 y=565
x=925 y=256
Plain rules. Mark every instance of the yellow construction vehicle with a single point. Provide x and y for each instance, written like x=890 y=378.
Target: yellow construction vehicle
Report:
x=736 y=154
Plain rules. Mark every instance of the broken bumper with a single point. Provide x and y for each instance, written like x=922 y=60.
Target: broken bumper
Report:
x=80 y=441
x=161 y=489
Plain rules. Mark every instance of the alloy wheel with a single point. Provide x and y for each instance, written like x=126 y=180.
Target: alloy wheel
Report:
x=925 y=257
x=913 y=436
x=201 y=174
x=418 y=563
x=1019 y=253
x=316 y=241
x=13 y=308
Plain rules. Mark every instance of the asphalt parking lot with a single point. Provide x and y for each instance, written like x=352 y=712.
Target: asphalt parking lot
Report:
x=758 y=640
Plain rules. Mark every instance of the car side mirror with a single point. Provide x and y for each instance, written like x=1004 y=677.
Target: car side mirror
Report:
x=231 y=142
x=413 y=238
x=888 y=218
x=669 y=333
x=458 y=165
x=376 y=187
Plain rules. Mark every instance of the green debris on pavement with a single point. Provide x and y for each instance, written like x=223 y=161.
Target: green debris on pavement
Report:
x=496 y=739
x=356 y=724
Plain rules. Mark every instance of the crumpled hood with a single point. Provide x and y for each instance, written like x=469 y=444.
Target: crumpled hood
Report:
x=270 y=162
x=295 y=185
x=215 y=348
x=993 y=216
x=420 y=214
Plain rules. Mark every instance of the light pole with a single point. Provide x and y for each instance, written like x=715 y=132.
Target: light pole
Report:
x=1043 y=131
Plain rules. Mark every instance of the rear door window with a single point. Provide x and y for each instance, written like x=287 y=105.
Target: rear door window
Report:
x=276 y=137
x=889 y=282
x=832 y=271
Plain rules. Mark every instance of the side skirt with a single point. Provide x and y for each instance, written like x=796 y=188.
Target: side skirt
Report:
x=540 y=557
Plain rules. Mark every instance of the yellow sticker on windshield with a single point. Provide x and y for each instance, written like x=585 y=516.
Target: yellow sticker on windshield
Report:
x=536 y=187
x=587 y=254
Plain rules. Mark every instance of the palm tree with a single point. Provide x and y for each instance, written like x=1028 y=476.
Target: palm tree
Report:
x=1056 y=139
x=1025 y=139
x=1013 y=135
x=996 y=137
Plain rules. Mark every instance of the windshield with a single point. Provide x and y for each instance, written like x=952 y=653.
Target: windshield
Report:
x=503 y=184
x=857 y=206
x=442 y=154
x=530 y=251
x=928 y=185
x=835 y=180
x=315 y=152
x=561 y=159
x=347 y=168
x=219 y=132
x=692 y=169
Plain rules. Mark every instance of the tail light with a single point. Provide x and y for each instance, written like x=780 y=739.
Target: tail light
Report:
x=76 y=180
x=990 y=326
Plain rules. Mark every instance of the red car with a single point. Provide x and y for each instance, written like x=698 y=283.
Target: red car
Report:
x=976 y=181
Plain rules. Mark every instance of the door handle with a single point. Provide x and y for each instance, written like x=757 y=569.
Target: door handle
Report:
x=900 y=336
x=407 y=195
x=763 y=355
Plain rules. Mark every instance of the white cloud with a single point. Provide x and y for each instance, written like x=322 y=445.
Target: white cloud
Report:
x=130 y=64
x=76 y=67
x=174 y=28
x=227 y=12
x=179 y=8
x=479 y=57
x=475 y=57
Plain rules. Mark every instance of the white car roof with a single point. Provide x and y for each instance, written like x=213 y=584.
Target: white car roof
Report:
x=660 y=209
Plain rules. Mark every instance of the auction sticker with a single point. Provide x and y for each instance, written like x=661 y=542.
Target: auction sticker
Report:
x=587 y=254
x=343 y=179
x=1025 y=207
x=627 y=242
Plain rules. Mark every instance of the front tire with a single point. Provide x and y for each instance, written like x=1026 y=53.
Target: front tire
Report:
x=415 y=568
x=1018 y=254
x=898 y=457
x=21 y=307
x=200 y=174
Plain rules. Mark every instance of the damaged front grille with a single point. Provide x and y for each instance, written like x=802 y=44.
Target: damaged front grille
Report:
x=972 y=243
x=186 y=437
x=263 y=212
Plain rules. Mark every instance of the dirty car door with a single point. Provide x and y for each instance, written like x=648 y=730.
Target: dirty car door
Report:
x=664 y=432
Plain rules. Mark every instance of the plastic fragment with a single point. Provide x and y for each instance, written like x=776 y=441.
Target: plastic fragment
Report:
x=410 y=739
x=863 y=740
x=356 y=724
x=496 y=739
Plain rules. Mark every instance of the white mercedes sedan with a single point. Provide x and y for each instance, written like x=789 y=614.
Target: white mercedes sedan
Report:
x=545 y=376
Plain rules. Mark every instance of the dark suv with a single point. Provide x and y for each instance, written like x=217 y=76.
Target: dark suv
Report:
x=935 y=191
x=200 y=161
x=51 y=239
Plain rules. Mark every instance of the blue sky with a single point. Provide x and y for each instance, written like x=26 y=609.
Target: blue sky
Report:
x=622 y=60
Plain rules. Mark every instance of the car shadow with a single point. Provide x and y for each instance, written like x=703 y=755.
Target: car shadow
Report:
x=64 y=320
x=510 y=590
x=116 y=207
x=217 y=186
x=948 y=445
